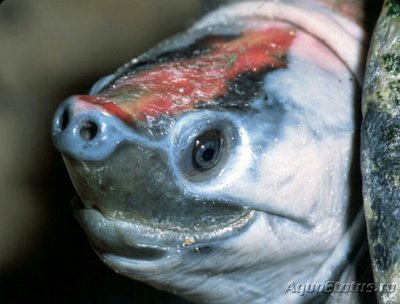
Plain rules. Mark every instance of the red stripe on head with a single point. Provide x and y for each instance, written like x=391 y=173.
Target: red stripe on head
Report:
x=176 y=86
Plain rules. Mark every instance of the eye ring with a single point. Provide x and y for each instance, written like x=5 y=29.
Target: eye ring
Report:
x=208 y=150
x=203 y=147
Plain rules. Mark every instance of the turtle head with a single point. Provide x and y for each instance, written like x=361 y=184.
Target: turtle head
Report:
x=218 y=162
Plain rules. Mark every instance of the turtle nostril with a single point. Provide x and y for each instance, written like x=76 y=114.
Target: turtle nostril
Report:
x=88 y=130
x=64 y=120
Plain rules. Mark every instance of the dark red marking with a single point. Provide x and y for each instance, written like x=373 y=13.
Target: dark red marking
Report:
x=175 y=86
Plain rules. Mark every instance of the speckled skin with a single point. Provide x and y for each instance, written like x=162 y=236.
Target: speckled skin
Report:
x=380 y=149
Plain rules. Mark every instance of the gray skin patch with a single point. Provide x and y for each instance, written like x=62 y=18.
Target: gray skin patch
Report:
x=380 y=146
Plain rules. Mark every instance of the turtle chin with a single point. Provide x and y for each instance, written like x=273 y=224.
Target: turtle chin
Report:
x=141 y=243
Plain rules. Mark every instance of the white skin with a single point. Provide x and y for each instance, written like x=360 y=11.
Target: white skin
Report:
x=297 y=182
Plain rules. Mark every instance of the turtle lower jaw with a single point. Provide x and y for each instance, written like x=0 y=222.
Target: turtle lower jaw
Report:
x=136 y=240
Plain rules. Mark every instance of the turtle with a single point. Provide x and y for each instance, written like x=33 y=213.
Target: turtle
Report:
x=223 y=165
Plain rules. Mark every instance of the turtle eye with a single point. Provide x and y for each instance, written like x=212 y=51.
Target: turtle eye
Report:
x=204 y=146
x=207 y=150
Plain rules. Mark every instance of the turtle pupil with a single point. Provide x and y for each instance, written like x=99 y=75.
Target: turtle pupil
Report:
x=208 y=154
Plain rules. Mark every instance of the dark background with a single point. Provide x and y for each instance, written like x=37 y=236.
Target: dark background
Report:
x=49 y=50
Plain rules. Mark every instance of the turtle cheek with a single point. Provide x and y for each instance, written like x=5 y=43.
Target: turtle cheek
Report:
x=124 y=184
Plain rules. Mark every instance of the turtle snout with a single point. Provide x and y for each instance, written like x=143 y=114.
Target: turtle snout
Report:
x=84 y=131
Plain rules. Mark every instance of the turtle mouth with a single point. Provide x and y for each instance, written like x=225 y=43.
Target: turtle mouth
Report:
x=137 y=240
